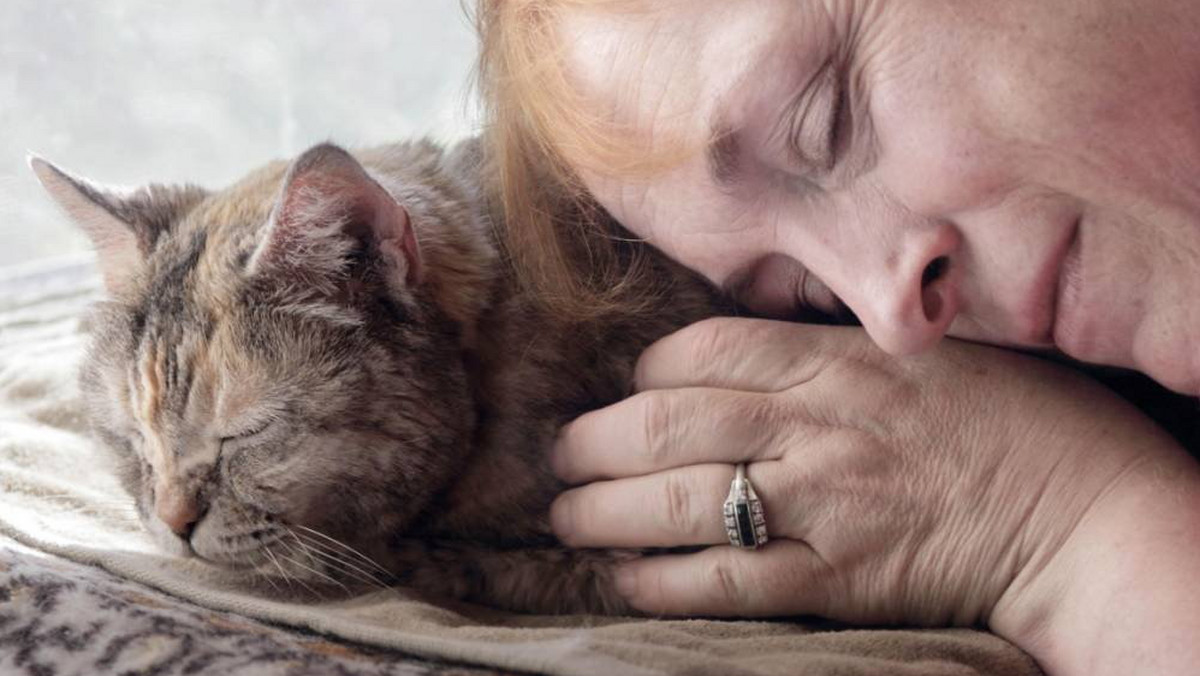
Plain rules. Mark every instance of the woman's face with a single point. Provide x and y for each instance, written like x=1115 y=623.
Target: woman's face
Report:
x=1022 y=173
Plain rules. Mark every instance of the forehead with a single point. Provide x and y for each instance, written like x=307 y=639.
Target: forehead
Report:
x=676 y=70
x=183 y=327
x=689 y=74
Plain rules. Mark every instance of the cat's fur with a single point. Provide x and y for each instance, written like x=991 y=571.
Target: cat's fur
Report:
x=334 y=350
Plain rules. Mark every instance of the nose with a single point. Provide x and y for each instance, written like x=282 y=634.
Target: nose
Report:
x=908 y=293
x=179 y=509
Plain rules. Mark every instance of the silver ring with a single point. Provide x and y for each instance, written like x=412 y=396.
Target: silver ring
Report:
x=745 y=523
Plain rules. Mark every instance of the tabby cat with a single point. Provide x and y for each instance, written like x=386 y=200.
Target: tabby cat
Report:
x=326 y=373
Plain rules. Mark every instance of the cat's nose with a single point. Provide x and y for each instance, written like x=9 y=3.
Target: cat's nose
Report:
x=180 y=510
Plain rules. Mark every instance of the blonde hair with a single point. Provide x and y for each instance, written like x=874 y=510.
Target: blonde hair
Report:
x=562 y=245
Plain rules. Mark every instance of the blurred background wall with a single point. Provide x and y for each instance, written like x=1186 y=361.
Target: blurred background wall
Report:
x=131 y=91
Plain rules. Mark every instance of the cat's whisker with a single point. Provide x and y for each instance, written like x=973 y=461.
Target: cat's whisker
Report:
x=314 y=571
x=270 y=580
x=278 y=566
x=340 y=256
x=337 y=557
x=341 y=567
x=295 y=578
x=334 y=563
x=363 y=557
x=306 y=556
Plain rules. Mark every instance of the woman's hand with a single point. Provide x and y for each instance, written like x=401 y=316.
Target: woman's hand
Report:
x=951 y=488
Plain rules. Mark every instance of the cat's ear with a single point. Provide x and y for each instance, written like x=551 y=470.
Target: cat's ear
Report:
x=124 y=225
x=329 y=214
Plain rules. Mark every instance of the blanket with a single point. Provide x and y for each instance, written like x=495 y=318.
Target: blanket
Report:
x=58 y=497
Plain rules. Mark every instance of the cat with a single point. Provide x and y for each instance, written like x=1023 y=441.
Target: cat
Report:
x=327 y=373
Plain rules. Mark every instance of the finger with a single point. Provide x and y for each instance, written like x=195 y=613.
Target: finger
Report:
x=663 y=429
x=754 y=355
x=786 y=577
x=673 y=508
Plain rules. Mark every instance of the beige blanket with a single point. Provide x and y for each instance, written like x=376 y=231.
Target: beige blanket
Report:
x=57 y=495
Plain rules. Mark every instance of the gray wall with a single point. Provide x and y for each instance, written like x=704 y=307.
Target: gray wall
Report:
x=129 y=91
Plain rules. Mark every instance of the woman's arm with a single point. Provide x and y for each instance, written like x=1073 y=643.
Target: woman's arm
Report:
x=1123 y=595
x=970 y=485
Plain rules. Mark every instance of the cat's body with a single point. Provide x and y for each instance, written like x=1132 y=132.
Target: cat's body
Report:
x=324 y=353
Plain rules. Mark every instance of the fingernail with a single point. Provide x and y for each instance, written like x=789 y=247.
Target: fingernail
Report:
x=560 y=518
x=625 y=581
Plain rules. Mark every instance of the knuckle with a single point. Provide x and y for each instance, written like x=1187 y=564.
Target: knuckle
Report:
x=863 y=453
x=708 y=344
x=882 y=382
x=762 y=423
x=862 y=444
x=679 y=516
x=757 y=412
x=723 y=582
x=694 y=346
x=659 y=420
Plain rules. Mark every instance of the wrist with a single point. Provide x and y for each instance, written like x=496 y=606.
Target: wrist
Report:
x=1120 y=595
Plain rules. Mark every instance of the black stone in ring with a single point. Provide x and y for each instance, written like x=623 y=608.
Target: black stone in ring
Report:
x=745 y=523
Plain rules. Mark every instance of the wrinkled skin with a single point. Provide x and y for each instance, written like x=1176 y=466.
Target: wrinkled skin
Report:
x=323 y=375
x=969 y=485
x=1017 y=173
x=265 y=398
x=1043 y=155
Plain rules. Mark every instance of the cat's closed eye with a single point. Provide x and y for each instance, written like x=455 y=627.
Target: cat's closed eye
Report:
x=251 y=433
x=327 y=373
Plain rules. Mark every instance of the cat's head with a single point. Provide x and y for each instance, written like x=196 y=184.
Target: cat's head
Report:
x=268 y=362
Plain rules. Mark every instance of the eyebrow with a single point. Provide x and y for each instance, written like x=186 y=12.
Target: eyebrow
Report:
x=723 y=154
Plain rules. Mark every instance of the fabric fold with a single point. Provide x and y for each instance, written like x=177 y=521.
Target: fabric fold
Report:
x=58 y=495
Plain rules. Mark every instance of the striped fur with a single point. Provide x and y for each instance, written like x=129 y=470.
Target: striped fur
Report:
x=329 y=367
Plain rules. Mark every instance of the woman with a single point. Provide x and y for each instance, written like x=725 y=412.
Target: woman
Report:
x=1021 y=174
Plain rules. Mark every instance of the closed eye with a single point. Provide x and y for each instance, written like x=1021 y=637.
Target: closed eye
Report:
x=815 y=123
x=840 y=124
x=250 y=433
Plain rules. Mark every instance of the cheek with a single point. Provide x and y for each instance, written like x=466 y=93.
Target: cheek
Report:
x=259 y=500
x=938 y=163
x=719 y=257
x=320 y=481
x=715 y=232
x=1080 y=113
x=260 y=477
